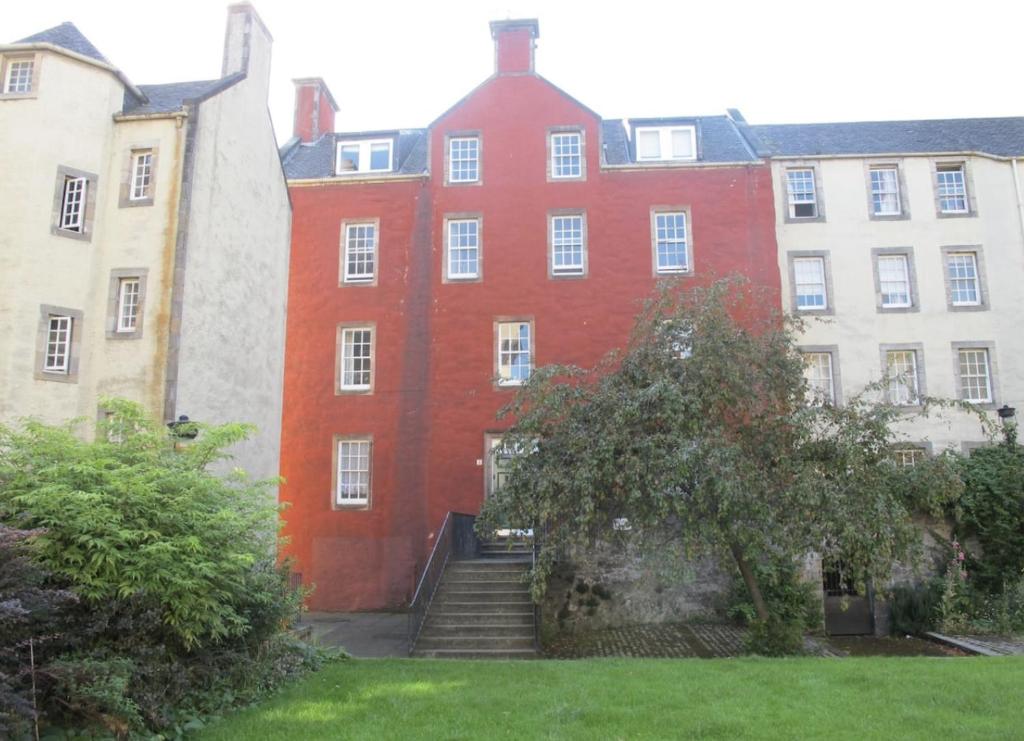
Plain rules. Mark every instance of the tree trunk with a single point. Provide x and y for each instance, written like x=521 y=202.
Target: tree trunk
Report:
x=750 y=580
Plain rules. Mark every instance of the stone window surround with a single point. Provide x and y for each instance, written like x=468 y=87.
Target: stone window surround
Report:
x=582 y=213
x=116 y=276
x=979 y=263
x=336 y=505
x=64 y=172
x=918 y=348
x=972 y=203
x=690 y=270
x=345 y=224
x=5 y=59
x=339 y=350
x=829 y=309
x=819 y=197
x=124 y=199
x=993 y=370
x=901 y=183
x=463 y=216
x=915 y=300
x=467 y=134
x=582 y=177
x=42 y=337
x=837 y=376
x=496 y=384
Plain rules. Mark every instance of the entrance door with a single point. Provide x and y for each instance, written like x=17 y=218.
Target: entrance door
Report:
x=847 y=612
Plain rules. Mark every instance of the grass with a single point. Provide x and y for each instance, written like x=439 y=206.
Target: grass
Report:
x=925 y=698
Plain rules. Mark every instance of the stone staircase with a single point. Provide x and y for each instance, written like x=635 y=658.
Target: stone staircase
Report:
x=482 y=608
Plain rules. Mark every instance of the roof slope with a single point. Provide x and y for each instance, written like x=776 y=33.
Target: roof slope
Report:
x=1002 y=137
x=172 y=96
x=66 y=36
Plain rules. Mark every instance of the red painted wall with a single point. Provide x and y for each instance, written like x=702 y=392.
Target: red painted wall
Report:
x=433 y=396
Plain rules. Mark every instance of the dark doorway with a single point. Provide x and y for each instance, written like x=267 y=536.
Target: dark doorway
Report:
x=847 y=611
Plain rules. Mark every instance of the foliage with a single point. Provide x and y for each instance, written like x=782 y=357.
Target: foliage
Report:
x=176 y=607
x=793 y=600
x=954 y=605
x=703 y=431
x=915 y=607
x=992 y=512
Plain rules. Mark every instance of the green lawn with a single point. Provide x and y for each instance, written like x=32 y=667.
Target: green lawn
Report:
x=872 y=698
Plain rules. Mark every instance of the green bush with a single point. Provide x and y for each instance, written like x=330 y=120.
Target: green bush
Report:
x=914 y=608
x=182 y=609
x=790 y=600
x=775 y=637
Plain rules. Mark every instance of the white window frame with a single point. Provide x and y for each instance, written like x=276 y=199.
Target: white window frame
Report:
x=797 y=284
x=561 y=162
x=675 y=243
x=950 y=256
x=906 y=382
x=883 y=281
x=813 y=374
x=507 y=332
x=454 y=143
x=141 y=186
x=73 y=204
x=365 y=151
x=948 y=191
x=879 y=192
x=128 y=302
x=665 y=137
x=908 y=456
x=798 y=197
x=560 y=244
x=962 y=377
x=347 y=370
x=452 y=249
x=364 y=254
x=353 y=457
x=57 y=351
x=24 y=86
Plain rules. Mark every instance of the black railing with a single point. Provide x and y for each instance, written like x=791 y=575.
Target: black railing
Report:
x=455 y=538
x=536 y=606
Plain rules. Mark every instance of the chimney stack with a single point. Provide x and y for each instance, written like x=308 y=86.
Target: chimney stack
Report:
x=314 y=109
x=514 y=43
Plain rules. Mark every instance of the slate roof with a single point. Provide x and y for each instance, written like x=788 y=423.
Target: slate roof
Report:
x=66 y=36
x=316 y=159
x=1003 y=137
x=172 y=96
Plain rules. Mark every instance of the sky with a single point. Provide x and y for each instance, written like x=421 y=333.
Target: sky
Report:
x=400 y=64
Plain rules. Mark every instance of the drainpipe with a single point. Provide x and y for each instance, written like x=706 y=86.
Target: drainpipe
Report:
x=1016 y=188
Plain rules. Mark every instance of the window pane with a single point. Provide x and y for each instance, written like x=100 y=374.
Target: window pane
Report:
x=360 y=252
x=464 y=160
x=885 y=194
x=73 y=206
x=58 y=345
x=818 y=372
x=19 y=77
x=894 y=280
x=802 y=199
x=128 y=304
x=356 y=358
x=353 y=470
x=350 y=157
x=809 y=277
x=952 y=189
x=463 y=248
x=513 y=352
x=975 y=384
x=142 y=174
x=648 y=145
x=901 y=366
x=567 y=245
x=670 y=242
x=963 y=278
x=682 y=143
x=566 y=155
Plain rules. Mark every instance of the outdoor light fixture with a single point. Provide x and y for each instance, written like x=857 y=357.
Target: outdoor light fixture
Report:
x=183 y=428
x=1006 y=412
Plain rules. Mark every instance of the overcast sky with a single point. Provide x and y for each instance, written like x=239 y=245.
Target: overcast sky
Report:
x=400 y=64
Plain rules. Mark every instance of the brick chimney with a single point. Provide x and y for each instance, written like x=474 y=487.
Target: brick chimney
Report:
x=314 y=109
x=514 y=42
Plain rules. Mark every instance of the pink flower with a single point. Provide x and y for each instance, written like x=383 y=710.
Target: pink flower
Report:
x=960 y=556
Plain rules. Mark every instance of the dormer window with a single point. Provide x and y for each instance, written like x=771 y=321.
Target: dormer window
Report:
x=665 y=143
x=366 y=155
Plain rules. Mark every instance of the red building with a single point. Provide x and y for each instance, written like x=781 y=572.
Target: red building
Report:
x=431 y=269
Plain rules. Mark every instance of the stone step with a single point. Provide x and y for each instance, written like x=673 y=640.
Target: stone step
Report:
x=439 y=617
x=479 y=606
x=505 y=548
x=426 y=643
x=446 y=595
x=481 y=585
x=516 y=576
x=487 y=565
x=476 y=653
x=463 y=630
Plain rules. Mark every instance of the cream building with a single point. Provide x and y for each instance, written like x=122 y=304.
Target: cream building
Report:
x=144 y=238
x=902 y=243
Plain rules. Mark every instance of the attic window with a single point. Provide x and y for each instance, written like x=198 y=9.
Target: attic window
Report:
x=366 y=155
x=665 y=143
x=17 y=78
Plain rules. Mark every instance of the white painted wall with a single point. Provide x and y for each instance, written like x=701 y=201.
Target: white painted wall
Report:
x=858 y=328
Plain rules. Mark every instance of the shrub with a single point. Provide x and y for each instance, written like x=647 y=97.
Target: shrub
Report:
x=790 y=600
x=914 y=608
x=775 y=637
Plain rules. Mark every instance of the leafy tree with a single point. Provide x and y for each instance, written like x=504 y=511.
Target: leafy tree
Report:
x=992 y=510
x=702 y=431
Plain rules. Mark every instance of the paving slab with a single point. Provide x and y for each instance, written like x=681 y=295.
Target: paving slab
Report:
x=364 y=635
x=983 y=645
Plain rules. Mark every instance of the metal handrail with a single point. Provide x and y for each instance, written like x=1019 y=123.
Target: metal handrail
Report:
x=421 y=599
